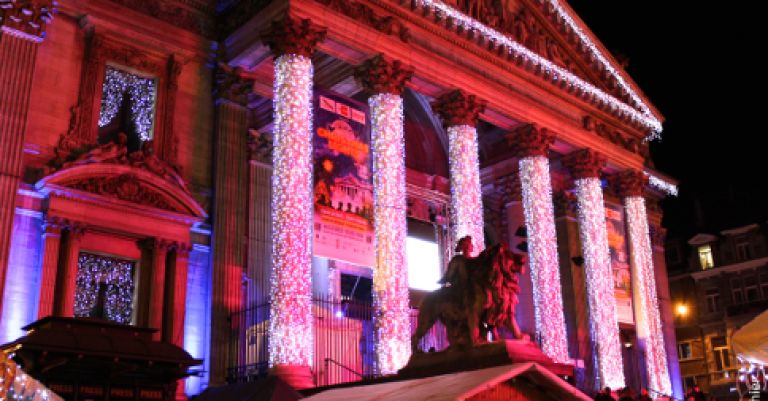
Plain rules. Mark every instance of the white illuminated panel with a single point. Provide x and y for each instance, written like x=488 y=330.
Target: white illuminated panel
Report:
x=423 y=264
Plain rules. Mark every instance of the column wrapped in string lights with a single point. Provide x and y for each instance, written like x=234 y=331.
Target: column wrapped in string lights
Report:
x=291 y=334
x=531 y=145
x=459 y=112
x=585 y=166
x=630 y=185
x=385 y=80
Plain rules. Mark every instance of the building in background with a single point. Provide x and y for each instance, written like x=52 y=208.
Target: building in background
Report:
x=272 y=183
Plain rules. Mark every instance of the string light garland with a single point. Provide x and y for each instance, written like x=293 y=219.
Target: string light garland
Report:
x=290 y=324
x=648 y=322
x=114 y=278
x=543 y=260
x=603 y=323
x=15 y=385
x=664 y=186
x=390 y=276
x=466 y=194
x=642 y=114
x=142 y=92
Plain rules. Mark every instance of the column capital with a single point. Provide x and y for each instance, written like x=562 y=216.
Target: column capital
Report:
x=379 y=75
x=584 y=163
x=530 y=140
x=458 y=108
x=230 y=85
x=291 y=35
x=52 y=225
x=75 y=228
x=26 y=19
x=181 y=248
x=629 y=183
x=260 y=146
x=156 y=244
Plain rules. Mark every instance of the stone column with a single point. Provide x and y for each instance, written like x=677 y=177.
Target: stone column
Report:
x=386 y=80
x=50 y=265
x=157 y=286
x=586 y=166
x=292 y=42
x=259 y=220
x=67 y=277
x=459 y=112
x=22 y=28
x=531 y=145
x=228 y=210
x=630 y=185
x=176 y=294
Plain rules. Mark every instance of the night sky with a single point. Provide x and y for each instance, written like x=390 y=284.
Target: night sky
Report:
x=697 y=62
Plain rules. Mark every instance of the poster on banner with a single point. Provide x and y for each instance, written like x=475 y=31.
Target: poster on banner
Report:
x=620 y=264
x=343 y=187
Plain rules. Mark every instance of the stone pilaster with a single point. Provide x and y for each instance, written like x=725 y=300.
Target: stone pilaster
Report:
x=67 y=276
x=50 y=265
x=386 y=80
x=22 y=27
x=176 y=294
x=292 y=41
x=459 y=112
x=531 y=145
x=160 y=249
x=259 y=218
x=586 y=166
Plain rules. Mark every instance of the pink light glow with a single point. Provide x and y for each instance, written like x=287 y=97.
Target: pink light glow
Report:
x=466 y=201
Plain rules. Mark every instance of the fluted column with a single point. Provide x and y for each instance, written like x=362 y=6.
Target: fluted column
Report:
x=386 y=80
x=67 y=277
x=259 y=219
x=630 y=185
x=50 y=266
x=459 y=112
x=160 y=249
x=22 y=27
x=531 y=145
x=586 y=166
x=292 y=42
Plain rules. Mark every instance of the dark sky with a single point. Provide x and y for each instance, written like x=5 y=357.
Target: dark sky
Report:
x=697 y=62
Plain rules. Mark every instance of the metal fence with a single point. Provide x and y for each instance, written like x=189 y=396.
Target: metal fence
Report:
x=343 y=346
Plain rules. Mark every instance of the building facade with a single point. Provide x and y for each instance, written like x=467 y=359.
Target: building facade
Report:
x=720 y=283
x=196 y=159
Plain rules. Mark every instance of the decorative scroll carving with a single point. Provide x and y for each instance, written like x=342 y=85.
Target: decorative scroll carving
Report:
x=529 y=140
x=379 y=75
x=260 y=146
x=616 y=137
x=458 y=108
x=584 y=163
x=173 y=13
x=293 y=36
x=124 y=187
x=387 y=25
x=28 y=17
x=629 y=183
x=231 y=85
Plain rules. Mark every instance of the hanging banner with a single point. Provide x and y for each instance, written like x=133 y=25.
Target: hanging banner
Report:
x=622 y=275
x=343 y=188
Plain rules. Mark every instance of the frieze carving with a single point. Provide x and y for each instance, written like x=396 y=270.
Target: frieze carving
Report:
x=260 y=146
x=380 y=75
x=173 y=13
x=584 y=163
x=387 y=25
x=124 y=187
x=616 y=137
x=458 y=108
x=530 y=140
x=28 y=17
x=291 y=35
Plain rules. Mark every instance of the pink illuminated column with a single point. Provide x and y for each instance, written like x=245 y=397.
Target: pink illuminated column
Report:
x=585 y=166
x=50 y=265
x=459 y=112
x=630 y=185
x=386 y=80
x=291 y=341
x=531 y=145
x=157 y=286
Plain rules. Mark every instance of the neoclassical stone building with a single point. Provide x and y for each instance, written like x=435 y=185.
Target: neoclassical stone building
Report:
x=161 y=152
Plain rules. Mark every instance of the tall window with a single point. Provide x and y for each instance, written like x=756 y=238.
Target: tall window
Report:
x=105 y=287
x=743 y=251
x=127 y=106
x=721 y=354
x=736 y=291
x=705 y=257
x=684 y=350
x=713 y=300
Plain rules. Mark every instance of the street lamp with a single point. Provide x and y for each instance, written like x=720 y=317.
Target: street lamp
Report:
x=682 y=310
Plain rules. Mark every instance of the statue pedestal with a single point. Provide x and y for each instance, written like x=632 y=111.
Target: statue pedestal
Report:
x=498 y=353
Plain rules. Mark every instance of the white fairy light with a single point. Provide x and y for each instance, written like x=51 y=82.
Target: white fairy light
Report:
x=603 y=323
x=644 y=289
x=466 y=201
x=661 y=184
x=642 y=114
x=142 y=93
x=290 y=324
x=390 y=276
x=543 y=261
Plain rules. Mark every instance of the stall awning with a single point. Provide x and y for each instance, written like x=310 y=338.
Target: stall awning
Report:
x=751 y=341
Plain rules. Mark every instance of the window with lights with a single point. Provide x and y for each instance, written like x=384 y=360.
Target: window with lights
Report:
x=128 y=100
